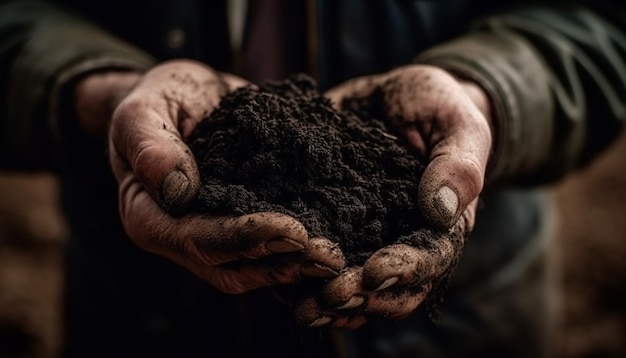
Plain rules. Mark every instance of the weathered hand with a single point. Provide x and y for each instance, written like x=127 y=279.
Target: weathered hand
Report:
x=447 y=121
x=394 y=281
x=158 y=179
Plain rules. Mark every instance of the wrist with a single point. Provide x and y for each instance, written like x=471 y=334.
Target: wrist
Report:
x=97 y=95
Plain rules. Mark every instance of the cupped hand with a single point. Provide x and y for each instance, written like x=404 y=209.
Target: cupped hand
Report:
x=392 y=283
x=448 y=121
x=158 y=180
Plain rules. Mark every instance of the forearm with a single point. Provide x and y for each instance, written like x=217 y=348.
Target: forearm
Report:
x=556 y=84
x=42 y=50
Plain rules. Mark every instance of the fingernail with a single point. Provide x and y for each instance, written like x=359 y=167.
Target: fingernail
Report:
x=388 y=283
x=174 y=188
x=353 y=302
x=313 y=269
x=322 y=321
x=282 y=245
x=446 y=202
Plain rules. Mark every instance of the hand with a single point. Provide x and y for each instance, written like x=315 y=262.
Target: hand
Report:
x=158 y=179
x=448 y=121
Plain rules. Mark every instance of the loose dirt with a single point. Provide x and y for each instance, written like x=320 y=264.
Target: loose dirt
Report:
x=282 y=147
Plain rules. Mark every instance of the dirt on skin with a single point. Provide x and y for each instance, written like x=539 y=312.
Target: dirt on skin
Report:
x=344 y=175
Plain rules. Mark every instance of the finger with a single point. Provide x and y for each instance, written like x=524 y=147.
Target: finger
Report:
x=245 y=275
x=147 y=128
x=308 y=312
x=449 y=183
x=212 y=241
x=360 y=87
x=397 y=304
x=234 y=82
x=158 y=158
x=323 y=258
x=405 y=265
x=324 y=261
x=460 y=142
x=345 y=291
x=249 y=236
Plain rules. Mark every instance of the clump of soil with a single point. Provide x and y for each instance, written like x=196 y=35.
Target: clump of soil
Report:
x=282 y=147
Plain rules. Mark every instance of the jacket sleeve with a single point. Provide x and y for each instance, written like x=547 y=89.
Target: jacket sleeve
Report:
x=42 y=48
x=557 y=80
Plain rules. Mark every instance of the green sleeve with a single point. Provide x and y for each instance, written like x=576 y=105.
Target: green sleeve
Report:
x=557 y=80
x=41 y=49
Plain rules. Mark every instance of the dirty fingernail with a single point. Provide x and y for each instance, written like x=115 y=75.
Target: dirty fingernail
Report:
x=446 y=202
x=283 y=245
x=313 y=269
x=175 y=188
x=388 y=283
x=353 y=302
x=322 y=321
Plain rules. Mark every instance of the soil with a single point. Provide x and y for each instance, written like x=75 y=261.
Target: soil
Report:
x=282 y=147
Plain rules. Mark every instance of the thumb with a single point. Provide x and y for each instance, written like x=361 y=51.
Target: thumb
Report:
x=148 y=146
x=449 y=184
x=454 y=176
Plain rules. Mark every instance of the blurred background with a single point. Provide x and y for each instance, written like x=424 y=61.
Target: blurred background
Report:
x=591 y=248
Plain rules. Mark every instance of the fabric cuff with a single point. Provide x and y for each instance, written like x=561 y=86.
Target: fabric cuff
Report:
x=57 y=50
x=77 y=71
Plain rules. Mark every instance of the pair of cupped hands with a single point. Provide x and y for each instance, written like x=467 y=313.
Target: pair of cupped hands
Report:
x=146 y=117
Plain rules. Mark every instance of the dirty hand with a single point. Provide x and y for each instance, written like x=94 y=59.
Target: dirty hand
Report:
x=448 y=121
x=146 y=119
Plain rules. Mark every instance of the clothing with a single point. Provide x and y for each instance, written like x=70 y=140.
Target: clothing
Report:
x=557 y=83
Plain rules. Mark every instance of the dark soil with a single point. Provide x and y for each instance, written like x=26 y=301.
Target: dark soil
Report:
x=283 y=148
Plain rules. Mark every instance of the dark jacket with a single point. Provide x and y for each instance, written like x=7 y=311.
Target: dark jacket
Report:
x=557 y=77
